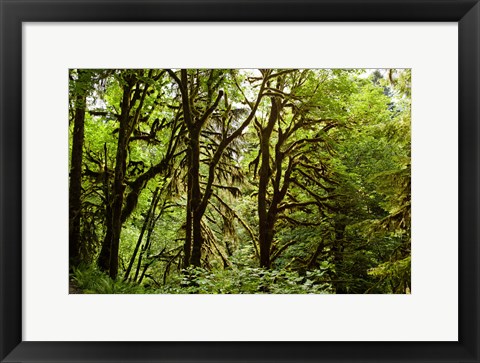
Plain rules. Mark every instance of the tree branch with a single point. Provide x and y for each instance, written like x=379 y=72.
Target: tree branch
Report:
x=296 y=205
x=242 y=222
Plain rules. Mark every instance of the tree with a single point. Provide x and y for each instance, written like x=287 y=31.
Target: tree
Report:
x=81 y=83
x=135 y=86
x=299 y=123
x=195 y=118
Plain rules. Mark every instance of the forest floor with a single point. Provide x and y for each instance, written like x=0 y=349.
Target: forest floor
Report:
x=73 y=288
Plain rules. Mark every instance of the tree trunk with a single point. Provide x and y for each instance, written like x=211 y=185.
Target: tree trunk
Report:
x=142 y=232
x=337 y=249
x=187 y=248
x=119 y=186
x=111 y=242
x=104 y=257
x=75 y=192
x=152 y=220
x=196 y=211
x=266 y=220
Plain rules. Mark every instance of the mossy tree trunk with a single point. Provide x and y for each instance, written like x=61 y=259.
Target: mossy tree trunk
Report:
x=75 y=190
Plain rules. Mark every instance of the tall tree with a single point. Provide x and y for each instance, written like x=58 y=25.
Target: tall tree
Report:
x=195 y=118
x=134 y=90
x=297 y=125
x=81 y=80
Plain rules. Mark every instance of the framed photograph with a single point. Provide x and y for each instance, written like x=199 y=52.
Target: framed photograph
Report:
x=239 y=181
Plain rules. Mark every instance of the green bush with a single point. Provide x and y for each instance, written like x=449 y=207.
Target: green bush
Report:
x=247 y=280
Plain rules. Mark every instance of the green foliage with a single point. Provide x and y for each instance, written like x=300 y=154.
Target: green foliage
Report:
x=91 y=280
x=395 y=274
x=247 y=280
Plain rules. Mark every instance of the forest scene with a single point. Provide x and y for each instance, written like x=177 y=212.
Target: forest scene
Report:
x=239 y=181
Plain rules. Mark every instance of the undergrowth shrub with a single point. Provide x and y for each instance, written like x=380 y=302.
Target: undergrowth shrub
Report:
x=246 y=280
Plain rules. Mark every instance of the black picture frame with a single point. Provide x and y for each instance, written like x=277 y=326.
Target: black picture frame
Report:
x=15 y=12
